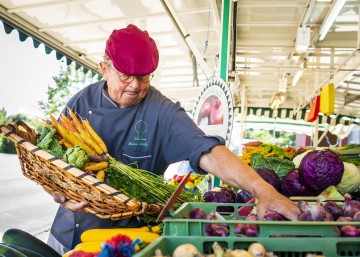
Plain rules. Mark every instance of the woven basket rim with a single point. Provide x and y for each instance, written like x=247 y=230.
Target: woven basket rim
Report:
x=135 y=207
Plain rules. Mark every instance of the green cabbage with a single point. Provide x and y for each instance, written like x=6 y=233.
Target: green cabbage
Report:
x=350 y=181
x=280 y=166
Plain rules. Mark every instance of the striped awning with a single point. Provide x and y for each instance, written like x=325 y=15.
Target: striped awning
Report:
x=48 y=48
x=302 y=114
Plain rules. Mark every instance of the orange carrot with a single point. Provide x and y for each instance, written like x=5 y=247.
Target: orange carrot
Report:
x=94 y=135
x=55 y=123
x=74 y=118
x=67 y=123
x=89 y=141
x=71 y=138
x=65 y=143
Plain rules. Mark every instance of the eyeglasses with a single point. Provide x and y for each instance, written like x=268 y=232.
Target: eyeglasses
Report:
x=129 y=78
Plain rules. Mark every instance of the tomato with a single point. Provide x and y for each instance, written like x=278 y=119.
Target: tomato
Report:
x=179 y=178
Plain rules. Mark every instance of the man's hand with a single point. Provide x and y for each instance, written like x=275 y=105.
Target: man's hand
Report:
x=221 y=162
x=73 y=207
x=275 y=201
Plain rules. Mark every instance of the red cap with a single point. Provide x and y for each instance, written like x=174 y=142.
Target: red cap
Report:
x=132 y=51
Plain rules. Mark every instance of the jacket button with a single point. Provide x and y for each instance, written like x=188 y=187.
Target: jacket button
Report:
x=77 y=225
x=90 y=112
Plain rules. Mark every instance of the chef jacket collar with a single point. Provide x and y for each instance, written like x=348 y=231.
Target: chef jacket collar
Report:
x=106 y=99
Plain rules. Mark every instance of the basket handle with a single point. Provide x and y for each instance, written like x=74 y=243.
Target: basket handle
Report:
x=24 y=131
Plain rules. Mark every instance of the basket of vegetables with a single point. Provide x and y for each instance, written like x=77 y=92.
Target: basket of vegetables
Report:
x=69 y=158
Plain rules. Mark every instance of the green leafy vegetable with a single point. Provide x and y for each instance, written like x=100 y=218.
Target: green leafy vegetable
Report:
x=48 y=142
x=280 y=166
x=144 y=185
x=276 y=151
x=349 y=153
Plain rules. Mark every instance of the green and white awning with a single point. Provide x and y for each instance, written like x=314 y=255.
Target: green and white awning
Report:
x=300 y=115
x=294 y=122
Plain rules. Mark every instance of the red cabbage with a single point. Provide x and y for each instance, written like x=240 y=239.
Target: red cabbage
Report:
x=220 y=195
x=269 y=176
x=320 y=169
x=292 y=185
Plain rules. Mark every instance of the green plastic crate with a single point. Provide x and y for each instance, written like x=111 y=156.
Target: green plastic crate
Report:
x=184 y=210
x=282 y=247
x=179 y=226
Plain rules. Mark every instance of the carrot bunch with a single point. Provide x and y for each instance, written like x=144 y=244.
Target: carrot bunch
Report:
x=78 y=131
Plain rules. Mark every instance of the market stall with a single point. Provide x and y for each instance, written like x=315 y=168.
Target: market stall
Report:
x=203 y=218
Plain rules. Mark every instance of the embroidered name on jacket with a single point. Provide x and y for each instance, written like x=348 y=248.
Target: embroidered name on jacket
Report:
x=140 y=134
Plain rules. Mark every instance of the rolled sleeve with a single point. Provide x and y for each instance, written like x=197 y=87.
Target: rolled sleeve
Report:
x=208 y=143
x=186 y=141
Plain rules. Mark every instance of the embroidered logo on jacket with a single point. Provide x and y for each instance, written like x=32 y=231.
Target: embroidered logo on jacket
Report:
x=140 y=134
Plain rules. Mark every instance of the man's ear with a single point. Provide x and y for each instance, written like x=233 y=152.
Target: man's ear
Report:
x=104 y=70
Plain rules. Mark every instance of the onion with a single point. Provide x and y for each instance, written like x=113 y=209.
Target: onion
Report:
x=313 y=212
x=352 y=213
x=344 y=219
x=239 y=229
x=328 y=216
x=273 y=216
x=252 y=216
x=217 y=230
x=197 y=213
x=349 y=231
x=220 y=230
x=251 y=230
x=334 y=209
x=357 y=216
x=242 y=196
x=211 y=216
x=350 y=205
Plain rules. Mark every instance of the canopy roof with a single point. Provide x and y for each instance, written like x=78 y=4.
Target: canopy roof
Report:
x=263 y=39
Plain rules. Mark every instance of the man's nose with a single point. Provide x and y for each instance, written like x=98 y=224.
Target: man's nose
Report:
x=135 y=84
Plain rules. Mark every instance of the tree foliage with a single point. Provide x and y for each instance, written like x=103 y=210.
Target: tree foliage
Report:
x=67 y=83
x=7 y=146
x=279 y=138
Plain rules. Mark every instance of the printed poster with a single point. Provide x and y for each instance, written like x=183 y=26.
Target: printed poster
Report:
x=213 y=111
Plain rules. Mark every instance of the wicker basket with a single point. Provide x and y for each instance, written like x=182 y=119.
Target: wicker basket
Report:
x=58 y=176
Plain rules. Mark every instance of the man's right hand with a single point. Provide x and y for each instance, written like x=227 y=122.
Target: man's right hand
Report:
x=73 y=207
